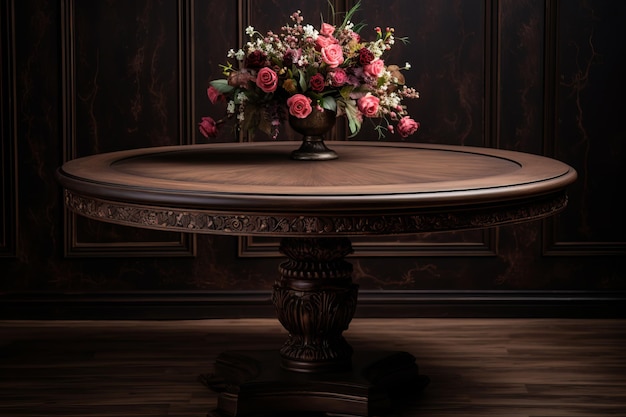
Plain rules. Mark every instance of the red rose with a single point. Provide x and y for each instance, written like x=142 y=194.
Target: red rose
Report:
x=365 y=56
x=267 y=80
x=407 y=126
x=208 y=127
x=214 y=95
x=317 y=82
x=299 y=106
x=256 y=59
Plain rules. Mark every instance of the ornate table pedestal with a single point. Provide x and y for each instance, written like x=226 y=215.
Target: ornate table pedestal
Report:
x=315 y=370
x=372 y=189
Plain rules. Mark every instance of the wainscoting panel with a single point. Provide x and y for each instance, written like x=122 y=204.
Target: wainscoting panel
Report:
x=89 y=65
x=80 y=78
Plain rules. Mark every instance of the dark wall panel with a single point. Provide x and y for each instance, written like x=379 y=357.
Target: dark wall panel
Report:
x=80 y=78
x=8 y=197
x=589 y=131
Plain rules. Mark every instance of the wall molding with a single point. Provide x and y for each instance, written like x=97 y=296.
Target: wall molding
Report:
x=374 y=247
x=552 y=246
x=253 y=304
x=182 y=245
x=8 y=129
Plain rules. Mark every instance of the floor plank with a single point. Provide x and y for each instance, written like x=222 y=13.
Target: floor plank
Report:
x=477 y=367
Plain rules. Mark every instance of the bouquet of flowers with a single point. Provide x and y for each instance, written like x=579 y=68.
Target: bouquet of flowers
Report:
x=302 y=69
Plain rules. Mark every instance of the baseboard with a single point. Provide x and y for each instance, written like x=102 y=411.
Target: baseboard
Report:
x=250 y=304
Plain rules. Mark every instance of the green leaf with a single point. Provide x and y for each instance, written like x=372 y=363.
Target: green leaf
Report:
x=352 y=114
x=222 y=86
x=345 y=91
x=329 y=103
x=348 y=16
x=302 y=80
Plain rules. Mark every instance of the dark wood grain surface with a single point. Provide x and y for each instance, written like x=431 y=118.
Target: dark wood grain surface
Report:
x=373 y=188
x=385 y=174
x=477 y=367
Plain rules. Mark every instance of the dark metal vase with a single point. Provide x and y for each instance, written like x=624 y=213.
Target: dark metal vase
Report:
x=313 y=128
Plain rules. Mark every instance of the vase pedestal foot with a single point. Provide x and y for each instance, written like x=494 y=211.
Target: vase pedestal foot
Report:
x=313 y=128
x=313 y=148
x=254 y=384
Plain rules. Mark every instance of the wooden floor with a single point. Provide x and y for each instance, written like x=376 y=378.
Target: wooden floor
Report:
x=478 y=367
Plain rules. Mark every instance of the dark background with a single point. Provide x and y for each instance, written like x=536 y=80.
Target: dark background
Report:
x=83 y=77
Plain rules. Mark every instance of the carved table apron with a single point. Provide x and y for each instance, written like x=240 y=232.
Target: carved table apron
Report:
x=315 y=207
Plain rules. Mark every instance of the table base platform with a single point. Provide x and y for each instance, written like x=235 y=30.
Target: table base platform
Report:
x=253 y=383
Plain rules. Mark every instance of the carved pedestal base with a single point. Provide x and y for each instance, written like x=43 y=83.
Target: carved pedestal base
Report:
x=315 y=370
x=315 y=301
x=256 y=385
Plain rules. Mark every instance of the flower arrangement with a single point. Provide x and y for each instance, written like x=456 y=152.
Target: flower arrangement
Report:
x=302 y=68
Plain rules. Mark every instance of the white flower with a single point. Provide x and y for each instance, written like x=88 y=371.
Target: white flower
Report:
x=310 y=32
x=230 y=108
x=407 y=66
x=250 y=31
x=239 y=55
x=377 y=48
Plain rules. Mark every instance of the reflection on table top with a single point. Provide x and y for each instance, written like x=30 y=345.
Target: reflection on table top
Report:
x=369 y=180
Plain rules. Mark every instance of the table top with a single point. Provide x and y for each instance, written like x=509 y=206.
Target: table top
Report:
x=373 y=188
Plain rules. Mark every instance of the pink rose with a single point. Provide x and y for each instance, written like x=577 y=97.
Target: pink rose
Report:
x=323 y=41
x=407 y=126
x=214 y=95
x=267 y=80
x=375 y=68
x=332 y=55
x=292 y=56
x=338 y=77
x=208 y=127
x=299 y=106
x=327 y=29
x=368 y=105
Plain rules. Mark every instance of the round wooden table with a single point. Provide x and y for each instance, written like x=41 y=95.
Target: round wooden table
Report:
x=373 y=188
